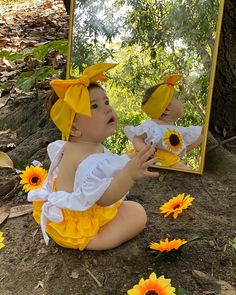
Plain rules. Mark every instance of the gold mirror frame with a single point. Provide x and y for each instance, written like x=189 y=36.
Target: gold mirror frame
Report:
x=210 y=85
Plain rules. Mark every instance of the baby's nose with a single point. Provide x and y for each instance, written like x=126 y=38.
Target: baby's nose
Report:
x=108 y=109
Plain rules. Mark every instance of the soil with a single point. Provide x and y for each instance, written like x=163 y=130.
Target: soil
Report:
x=29 y=267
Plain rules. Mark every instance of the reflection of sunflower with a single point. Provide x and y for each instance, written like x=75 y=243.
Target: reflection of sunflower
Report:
x=176 y=205
x=1 y=240
x=33 y=177
x=167 y=245
x=173 y=140
x=153 y=286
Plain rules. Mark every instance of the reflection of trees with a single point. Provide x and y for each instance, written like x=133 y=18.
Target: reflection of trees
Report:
x=184 y=29
x=149 y=39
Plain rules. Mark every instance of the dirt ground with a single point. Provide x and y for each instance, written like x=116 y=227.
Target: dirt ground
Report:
x=29 y=267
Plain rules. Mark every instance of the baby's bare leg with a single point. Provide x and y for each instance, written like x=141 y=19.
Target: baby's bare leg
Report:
x=129 y=222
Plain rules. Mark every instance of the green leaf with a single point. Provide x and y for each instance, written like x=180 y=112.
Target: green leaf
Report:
x=15 y=56
x=44 y=72
x=40 y=51
x=60 y=45
x=10 y=56
x=4 y=53
x=233 y=243
x=19 y=165
x=194 y=238
x=26 y=81
x=182 y=291
x=167 y=255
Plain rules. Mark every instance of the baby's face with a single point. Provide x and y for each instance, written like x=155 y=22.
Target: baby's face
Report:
x=103 y=120
x=175 y=109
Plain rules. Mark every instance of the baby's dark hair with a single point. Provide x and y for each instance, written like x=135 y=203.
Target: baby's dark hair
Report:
x=149 y=92
x=52 y=98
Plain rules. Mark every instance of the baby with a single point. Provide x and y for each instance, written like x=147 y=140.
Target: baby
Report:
x=81 y=204
x=164 y=108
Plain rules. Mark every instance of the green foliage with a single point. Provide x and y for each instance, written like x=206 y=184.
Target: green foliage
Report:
x=182 y=291
x=41 y=51
x=10 y=56
x=28 y=80
x=233 y=243
x=172 y=254
x=38 y=52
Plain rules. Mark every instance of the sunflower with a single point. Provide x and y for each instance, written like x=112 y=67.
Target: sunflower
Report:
x=153 y=286
x=1 y=240
x=167 y=245
x=176 y=205
x=173 y=140
x=33 y=177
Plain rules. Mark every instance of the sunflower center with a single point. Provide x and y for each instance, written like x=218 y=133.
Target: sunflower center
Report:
x=151 y=292
x=34 y=179
x=176 y=206
x=174 y=139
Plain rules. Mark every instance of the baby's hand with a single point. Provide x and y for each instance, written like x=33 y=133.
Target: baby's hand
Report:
x=138 y=165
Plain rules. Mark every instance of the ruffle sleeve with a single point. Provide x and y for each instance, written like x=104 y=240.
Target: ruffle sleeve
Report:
x=149 y=128
x=54 y=148
x=190 y=134
x=92 y=178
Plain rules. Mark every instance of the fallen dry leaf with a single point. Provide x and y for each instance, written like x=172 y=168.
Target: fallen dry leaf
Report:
x=34 y=233
x=219 y=286
x=20 y=210
x=4 y=213
x=5 y=160
x=39 y=285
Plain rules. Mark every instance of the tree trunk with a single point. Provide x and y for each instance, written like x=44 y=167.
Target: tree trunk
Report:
x=223 y=112
x=67 y=5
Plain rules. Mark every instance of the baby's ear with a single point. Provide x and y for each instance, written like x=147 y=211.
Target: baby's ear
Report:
x=164 y=114
x=74 y=131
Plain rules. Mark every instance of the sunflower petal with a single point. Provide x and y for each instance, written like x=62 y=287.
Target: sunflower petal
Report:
x=33 y=177
x=159 y=285
x=176 y=205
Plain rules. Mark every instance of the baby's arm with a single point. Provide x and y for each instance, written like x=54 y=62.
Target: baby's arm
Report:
x=134 y=170
x=196 y=143
x=138 y=142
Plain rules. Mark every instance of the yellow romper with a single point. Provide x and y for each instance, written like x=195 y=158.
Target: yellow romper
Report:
x=170 y=140
x=78 y=227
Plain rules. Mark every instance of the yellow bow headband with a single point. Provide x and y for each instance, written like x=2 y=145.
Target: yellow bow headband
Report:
x=157 y=103
x=74 y=96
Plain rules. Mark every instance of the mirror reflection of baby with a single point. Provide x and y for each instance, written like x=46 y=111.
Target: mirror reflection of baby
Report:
x=161 y=104
x=81 y=203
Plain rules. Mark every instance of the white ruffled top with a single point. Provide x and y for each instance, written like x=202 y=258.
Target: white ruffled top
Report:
x=155 y=134
x=93 y=176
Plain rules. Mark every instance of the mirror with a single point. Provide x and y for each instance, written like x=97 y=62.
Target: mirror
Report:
x=149 y=40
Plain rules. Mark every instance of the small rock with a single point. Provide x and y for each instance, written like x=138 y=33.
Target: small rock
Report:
x=95 y=262
x=211 y=243
x=41 y=241
x=74 y=274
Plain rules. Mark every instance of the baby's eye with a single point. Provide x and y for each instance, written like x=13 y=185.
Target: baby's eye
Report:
x=94 y=106
x=107 y=102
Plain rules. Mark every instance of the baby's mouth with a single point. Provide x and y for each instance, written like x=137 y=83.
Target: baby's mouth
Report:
x=111 y=120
